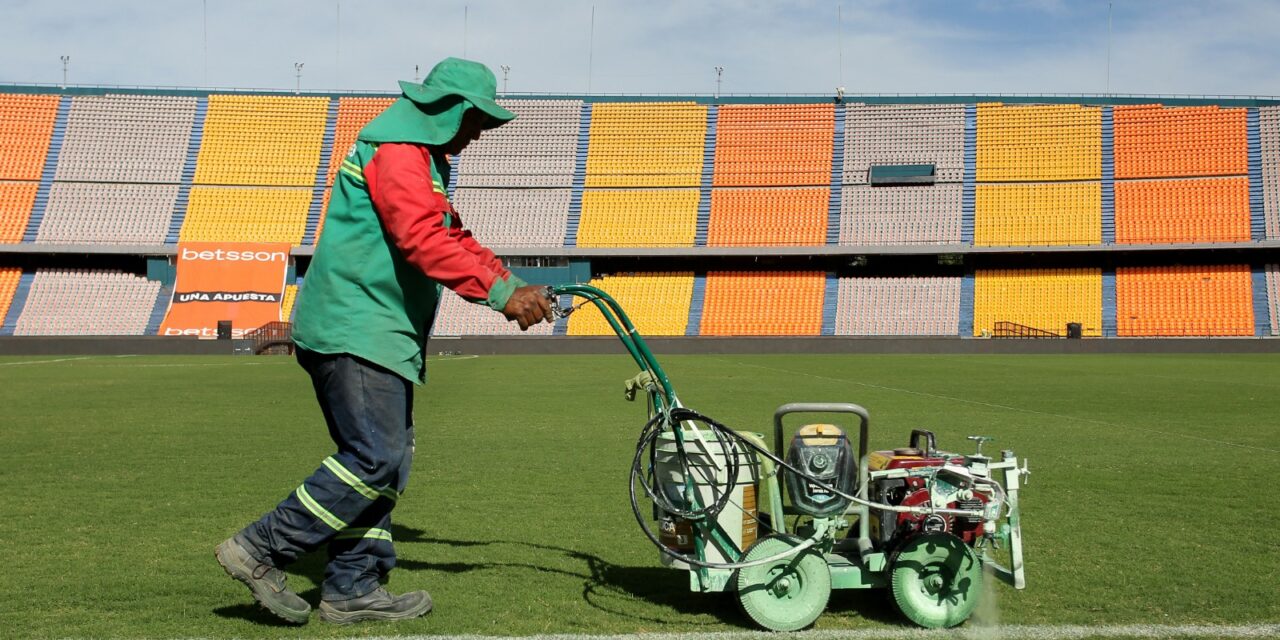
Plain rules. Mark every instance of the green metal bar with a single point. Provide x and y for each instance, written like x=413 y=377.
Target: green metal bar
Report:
x=640 y=352
x=626 y=330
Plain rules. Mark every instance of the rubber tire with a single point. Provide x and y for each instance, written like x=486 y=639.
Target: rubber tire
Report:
x=799 y=607
x=947 y=557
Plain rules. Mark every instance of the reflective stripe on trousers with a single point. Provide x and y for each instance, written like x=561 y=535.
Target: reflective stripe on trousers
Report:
x=346 y=503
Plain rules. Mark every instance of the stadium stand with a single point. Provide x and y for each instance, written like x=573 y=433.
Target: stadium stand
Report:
x=657 y=303
x=26 y=126
x=763 y=303
x=646 y=144
x=99 y=213
x=1154 y=141
x=898 y=306
x=128 y=139
x=457 y=317
x=537 y=149
x=95 y=168
x=774 y=145
x=887 y=134
x=1269 y=133
x=8 y=284
x=1273 y=296
x=1044 y=299
x=1038 y=142
x=1182 y=211
x=286 y=302
x=900 y=215
x=1064 y=213
x=246 y=214
x=515 y=217
x=77 y=302
x=1213 y=300
x=261 y=141
x=638 y=218
x=16 y=199
x=768 y=217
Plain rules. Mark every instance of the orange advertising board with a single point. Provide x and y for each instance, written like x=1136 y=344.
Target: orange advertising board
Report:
x=238 y=281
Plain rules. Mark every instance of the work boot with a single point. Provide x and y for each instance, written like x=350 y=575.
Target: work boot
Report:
x=376 y=605
x=265 y=581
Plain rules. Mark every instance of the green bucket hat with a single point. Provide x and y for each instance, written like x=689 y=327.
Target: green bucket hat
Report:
x=431 y=113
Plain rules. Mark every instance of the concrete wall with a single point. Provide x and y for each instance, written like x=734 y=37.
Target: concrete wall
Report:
x=495 y=345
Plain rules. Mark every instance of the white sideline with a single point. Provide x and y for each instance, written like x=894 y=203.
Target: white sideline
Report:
x=194 y=364
x=1007 y=407
x=1008 y=632
x=10 y=364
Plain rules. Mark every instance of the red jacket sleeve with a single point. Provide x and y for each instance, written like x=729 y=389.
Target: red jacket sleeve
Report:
x=413 y=208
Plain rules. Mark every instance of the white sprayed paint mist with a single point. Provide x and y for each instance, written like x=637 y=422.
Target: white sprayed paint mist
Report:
x=985 y=622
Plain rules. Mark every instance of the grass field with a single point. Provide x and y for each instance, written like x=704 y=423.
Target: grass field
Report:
x=1152 y=498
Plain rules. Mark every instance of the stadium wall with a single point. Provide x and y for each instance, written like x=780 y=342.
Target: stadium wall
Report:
x=63 y=346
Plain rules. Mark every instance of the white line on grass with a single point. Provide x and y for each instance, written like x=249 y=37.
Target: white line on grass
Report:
x=186 y=364
x=238 y=363
x=1009 y=408
x=10 y=364
x=1012 y=632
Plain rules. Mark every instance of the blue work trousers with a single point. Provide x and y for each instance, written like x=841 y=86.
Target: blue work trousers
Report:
x=346 y=503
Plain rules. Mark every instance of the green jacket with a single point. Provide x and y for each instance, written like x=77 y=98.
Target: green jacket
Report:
x=364 y=296
x=375 y=280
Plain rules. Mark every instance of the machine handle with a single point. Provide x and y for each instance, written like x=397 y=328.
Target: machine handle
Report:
x=822 y=407
x=557 y=311
x=931 y=442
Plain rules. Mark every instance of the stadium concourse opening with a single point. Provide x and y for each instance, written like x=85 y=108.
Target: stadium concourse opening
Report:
x=738 y=223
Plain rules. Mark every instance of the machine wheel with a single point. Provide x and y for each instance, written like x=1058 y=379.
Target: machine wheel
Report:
x=936 y=580
x=786 y=594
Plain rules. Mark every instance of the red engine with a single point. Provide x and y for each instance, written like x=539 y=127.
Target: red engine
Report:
x=918 y=485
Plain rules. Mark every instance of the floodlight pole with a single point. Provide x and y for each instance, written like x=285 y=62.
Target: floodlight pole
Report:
x=719 y=74
x=840 y=44
x=505 y=71
x=297 y=67
x=65 y=60
x=1108 y=48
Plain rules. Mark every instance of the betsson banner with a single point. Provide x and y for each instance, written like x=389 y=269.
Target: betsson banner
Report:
x=242 y=282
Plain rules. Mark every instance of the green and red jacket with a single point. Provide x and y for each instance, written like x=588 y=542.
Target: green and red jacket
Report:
x=391 y=239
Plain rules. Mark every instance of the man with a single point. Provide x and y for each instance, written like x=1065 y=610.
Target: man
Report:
x=391 y=239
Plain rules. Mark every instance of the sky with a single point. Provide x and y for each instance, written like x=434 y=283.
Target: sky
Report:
x=668 y=47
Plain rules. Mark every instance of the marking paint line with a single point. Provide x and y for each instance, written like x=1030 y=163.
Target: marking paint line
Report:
x=13 y=364
x=1009 y=408
x=187 y=364
x=968 y=632
x=247 y=362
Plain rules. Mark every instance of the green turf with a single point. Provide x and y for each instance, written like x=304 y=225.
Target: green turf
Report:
x=1151 y=498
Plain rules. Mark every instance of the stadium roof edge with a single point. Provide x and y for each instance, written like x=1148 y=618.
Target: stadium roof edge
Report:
x=886 y=98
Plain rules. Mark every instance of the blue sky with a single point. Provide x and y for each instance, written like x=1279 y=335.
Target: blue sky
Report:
x=1227 y=47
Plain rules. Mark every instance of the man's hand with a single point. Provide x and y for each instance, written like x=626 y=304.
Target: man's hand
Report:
x=528 y=305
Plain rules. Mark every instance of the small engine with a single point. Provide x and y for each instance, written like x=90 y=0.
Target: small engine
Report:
x=822 y=451
x=922 y=476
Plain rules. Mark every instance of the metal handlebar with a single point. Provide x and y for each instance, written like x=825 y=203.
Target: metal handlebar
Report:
x=665 y=395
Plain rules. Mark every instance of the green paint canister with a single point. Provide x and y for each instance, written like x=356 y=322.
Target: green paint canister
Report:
x=708 y=466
